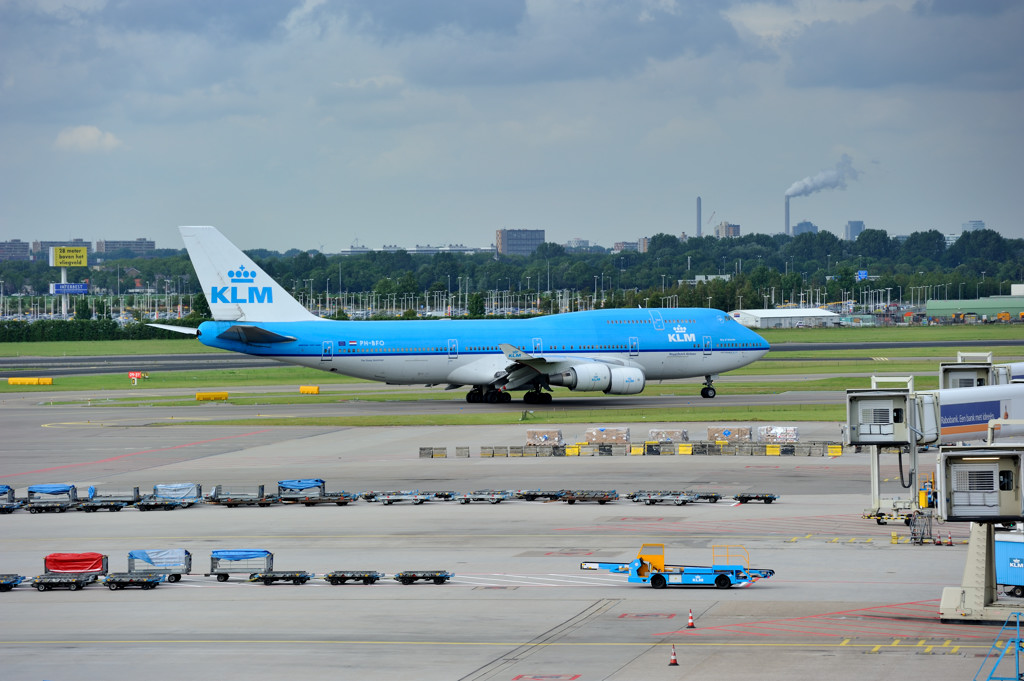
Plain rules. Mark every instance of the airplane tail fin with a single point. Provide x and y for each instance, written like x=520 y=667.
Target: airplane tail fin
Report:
x=236 y=288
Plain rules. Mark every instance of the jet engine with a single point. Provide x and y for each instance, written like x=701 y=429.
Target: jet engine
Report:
x=596 y=376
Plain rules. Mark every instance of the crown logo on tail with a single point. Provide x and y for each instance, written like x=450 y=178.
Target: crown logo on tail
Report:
x=241 y=276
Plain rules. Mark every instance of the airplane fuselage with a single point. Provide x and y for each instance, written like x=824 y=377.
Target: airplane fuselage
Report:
x=664 y=343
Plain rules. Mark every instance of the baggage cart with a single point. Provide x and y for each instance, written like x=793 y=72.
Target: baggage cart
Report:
x=414 y=496
x=440 y=495
x=70 y=571
x=310 y=492
x=600 y=496
x=435 y=576
x=534 y=494
x=1009 y=554
x=704 y=495
x=766 y=497
x=730 y=567
x=365 y=576
x=109 y=500
x=224 y=562
x=293 y=576
x=170 y=496
x=69 y=581
x=488 y=495
x=9 y=581
x=119 y=580
x=8 y=503
x=233 y=496
x=51 y=498
x=170 y=562
x=663 y=496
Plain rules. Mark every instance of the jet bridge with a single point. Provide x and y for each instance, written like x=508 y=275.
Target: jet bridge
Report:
x=901 y=420
x=975 y=369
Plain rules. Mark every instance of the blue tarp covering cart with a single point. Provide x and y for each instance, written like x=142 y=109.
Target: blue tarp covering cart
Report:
x=310 y=492
x=8 y=502
x=224 y=562
x=170 y=496
x=51 y=498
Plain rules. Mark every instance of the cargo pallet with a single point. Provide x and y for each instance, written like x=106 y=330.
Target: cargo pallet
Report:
x=69 y=581
x=120 y=580
x=293 y=576
x=172 y=563
x=766 y=497
x=244 y=495
x=600 y=496
x=656 y=497
x=111 y=501
x=435 y=576
x=534 y=494
x=365 y=576
x=48 y=504
x=388 y=498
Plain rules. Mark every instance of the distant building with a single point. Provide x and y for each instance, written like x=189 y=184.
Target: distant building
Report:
x=42 y=248
x=519 y=241
x=620 y=246
x=973 y=225
x=853 y=230
x=805 y=227
x=577 y=244
x=15 y=249
x=951 y=239
x=140 y=247
x=727 y=230
x=785 y=318
x=643 y=244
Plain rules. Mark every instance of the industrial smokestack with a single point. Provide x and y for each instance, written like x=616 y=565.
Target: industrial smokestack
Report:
x=698 y=216
x=787 y=215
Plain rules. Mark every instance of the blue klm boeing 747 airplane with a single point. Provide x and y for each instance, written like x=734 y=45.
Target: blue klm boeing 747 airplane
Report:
x=614 y=351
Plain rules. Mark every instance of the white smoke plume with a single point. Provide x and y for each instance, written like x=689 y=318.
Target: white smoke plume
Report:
x=826 y=179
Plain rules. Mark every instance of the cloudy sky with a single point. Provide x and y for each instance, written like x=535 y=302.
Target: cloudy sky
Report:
x=324 y=123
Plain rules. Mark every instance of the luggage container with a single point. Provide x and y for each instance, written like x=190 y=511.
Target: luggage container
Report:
x=170 y=496
x=293 y=576
x=70 y=571
x=1010 y=562
x=119 y=580
x=110 y=500
x=9 y=581
x=310 y=492
x=233 y=496
x=534 y=494
x=170 y=562
x=224 y=562
x=8 y=503
x=435 y=576
x=52 y=498
x=365 y=576
x=414 y=496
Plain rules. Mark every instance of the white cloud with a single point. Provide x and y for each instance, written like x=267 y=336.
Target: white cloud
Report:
x=85 y=138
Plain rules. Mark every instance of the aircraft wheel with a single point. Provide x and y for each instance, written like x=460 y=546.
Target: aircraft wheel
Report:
x=708 y=393
x=545 y=398
x=492 y=396
x=505 y=397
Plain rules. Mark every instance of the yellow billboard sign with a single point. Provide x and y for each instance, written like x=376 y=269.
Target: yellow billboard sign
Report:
x=68 y=256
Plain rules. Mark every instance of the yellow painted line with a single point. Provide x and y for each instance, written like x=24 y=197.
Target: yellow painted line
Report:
x=868 y=540
x=946 y=644
x=928 y=649
x=846 y=641
x=921 y=642
x=808 y=536
x=852 y=540
x=876 y=649
x=953 y=650
x=896 y=642
x=835 y=540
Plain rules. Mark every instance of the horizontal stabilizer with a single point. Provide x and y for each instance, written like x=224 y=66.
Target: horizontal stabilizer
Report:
x=189 y=330
x=253 y=335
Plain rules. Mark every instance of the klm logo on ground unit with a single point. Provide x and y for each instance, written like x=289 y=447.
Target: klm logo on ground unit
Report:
x=680 y=335
x=241 y=294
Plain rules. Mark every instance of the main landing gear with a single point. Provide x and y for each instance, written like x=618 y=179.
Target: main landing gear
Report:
x=708 y=391
x=493 y=396
x=537 y=397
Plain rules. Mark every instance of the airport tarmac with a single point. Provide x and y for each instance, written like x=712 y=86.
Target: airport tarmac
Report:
x=845 y=602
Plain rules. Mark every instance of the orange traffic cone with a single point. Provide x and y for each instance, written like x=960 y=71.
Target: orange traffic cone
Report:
x=949 y=539
x=689 y=624
x=672 y=661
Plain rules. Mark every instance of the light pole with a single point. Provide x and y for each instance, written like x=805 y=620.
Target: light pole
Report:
x=663 y=283
x=960 y=293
